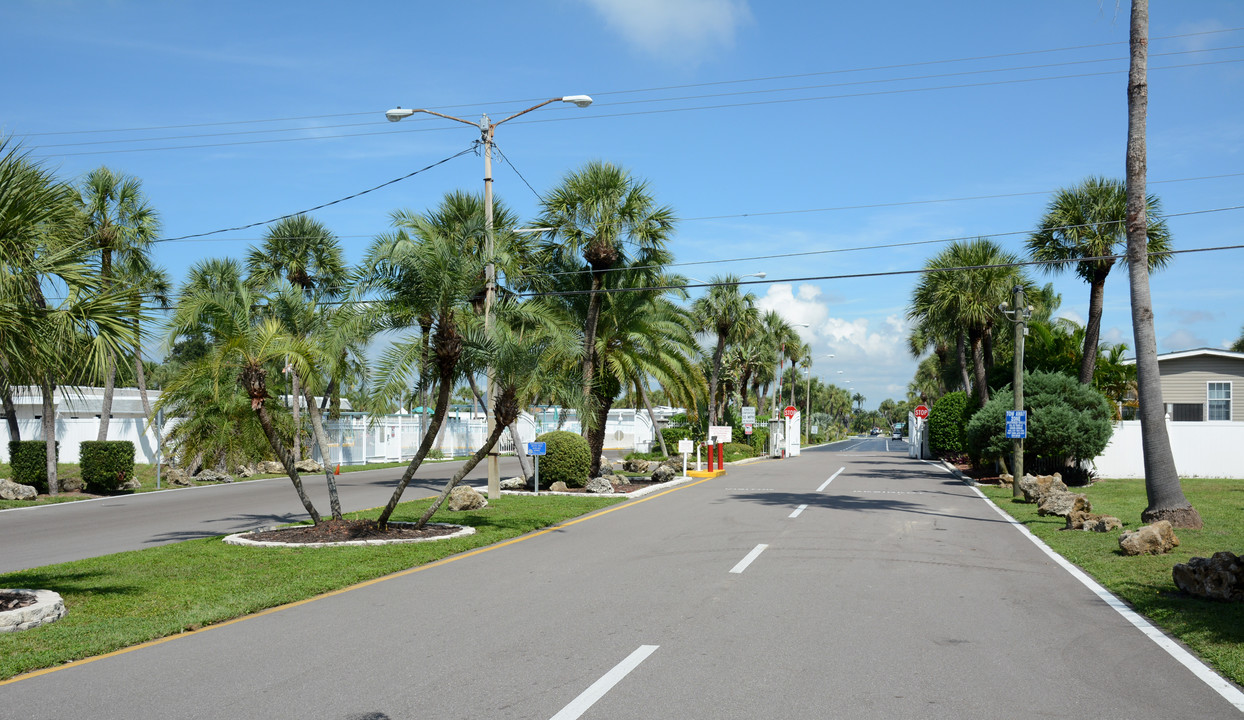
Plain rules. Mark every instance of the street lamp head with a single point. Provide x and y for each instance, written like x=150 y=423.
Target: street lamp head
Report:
x=398 y=113
x=578 y=100
x=760 y=274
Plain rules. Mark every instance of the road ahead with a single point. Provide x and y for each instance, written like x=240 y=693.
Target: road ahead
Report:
x=49 y=534
x=837 y=584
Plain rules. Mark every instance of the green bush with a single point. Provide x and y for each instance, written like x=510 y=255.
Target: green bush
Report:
x=567 y=459
x=1065 y=420
x=672 y=435
x=760 y=439
x=106 y=465
x=737 y=451
x=947 y=424
x=29 y=461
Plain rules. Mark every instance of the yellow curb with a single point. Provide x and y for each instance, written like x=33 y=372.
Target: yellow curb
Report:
x=706 y=473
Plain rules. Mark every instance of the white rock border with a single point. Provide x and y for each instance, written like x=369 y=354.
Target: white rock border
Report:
x=237 y=539
x=48 y=608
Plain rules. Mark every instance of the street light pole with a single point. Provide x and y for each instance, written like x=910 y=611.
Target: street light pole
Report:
x=487 y=130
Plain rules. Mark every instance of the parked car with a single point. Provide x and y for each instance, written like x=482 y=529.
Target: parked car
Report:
x=897 y=432
x=875 y=431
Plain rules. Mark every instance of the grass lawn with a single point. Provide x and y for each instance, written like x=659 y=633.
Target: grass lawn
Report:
x=146 y=476
x=1214 y=630
x=127 y=598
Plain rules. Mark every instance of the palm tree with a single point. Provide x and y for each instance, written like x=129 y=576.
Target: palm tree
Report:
x=962 y=287
x=41 y=249
x=1166 y=497
x=1238 y=345
x=612 y=220
x=776 y=334
x=858 y=399
x=1087 y=221
x=732 y=316
x=123 y=226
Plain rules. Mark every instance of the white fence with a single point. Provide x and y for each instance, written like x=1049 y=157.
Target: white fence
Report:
x=1201 y=449
x=355 y=439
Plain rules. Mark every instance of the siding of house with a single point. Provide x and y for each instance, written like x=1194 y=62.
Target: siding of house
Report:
x=1184 y=380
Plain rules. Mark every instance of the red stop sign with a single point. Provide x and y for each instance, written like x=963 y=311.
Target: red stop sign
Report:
x=921 y=411
x=789 y=412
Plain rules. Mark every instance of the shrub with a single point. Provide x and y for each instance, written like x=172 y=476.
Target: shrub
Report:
x=106 y=465
x=1066 y=420
x=567 y=459
x=672 y=435
x=947 y=424
x=737 y=451
x=29 y=461
x=760 y=439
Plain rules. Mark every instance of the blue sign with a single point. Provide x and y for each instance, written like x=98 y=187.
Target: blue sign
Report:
x=535 y=448
x=1017 y=424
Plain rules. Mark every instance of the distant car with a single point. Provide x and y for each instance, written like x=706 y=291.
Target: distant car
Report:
x=875 y=431
x=896 y=433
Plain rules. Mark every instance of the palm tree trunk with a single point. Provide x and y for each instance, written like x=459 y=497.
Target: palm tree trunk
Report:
x=715 y=378
x=321 y=441
x=110 y=381
x=596 y=434
x=978 y=362
x=1092 y=329
x=10 y=410
x=1166 y=497
x=589 y=333
x=287 y=460
x=438 y=417
x=140 y=375
x=520 y=451
x=467 y=467
x=47 y=388
x=961 y=351
x=296 y=413
x=656 y=429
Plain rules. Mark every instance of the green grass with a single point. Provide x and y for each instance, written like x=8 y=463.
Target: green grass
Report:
x=1214 y=630
x=127 y=598
x=146 y=476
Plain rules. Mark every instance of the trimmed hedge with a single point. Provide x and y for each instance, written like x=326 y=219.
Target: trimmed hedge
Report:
x=568 y=459
x=947 y=424
x=29 y=461
x=106 y=465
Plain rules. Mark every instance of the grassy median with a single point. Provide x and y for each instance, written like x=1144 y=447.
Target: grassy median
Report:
x=1214 y=630
x=127 y=598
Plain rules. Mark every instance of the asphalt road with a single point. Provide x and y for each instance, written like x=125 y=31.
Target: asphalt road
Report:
x=48 y=534
x=843 y=583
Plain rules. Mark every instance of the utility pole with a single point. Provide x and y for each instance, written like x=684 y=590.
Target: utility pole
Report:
x=1019 y=317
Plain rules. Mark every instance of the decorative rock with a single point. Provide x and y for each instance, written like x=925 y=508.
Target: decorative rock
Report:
x=308 y=465
x=131 y=484
x=599 y=485
x=1006 y=479
x=617 y=480
x=1155 y=539
x=213 y=476
x=48 y=607
x=270 y=467
x=1063 y=504
x=1035 y=488
x=245 y=471
x=559 y=486
x=636 y=465
x=1220 y=577
x=10 y=490
x=514 y=483
x=663 y=473
x=70 y=484
x=177 y=476
x=465 y=497
x=1092 y=522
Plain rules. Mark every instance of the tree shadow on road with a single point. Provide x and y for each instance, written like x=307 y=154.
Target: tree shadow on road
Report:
x=853 y=503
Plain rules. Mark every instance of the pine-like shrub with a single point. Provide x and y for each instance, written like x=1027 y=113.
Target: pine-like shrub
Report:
x=760 y=439
x=947 y=425
x=106 y=465
x=567 y=459
x=29 y=461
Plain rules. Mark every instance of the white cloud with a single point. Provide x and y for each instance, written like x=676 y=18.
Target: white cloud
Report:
x=1181 y=339
x=1071 y=315
x=797 y=308
x=681 y=30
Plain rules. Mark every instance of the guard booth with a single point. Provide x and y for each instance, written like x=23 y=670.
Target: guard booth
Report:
x=793 y=425
x=777 y=437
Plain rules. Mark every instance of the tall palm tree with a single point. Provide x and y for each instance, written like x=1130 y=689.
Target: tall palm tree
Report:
x=962 y=287
x=1166 y=497
x=41 y=250
x=123 y=226
x=1085 y=221
x=612 y=220
x=1238 y=345
x=776 y=334
x=730 y=315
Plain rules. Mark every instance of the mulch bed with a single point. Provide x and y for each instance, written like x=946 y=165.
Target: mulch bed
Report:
x=344 y=530
x=13 y=601
x=623 y=488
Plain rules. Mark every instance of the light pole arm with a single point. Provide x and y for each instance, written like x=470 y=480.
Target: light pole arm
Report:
x=524 y=112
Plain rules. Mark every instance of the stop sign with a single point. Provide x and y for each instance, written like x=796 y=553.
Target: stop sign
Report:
x=789 y=412
x=921 y=411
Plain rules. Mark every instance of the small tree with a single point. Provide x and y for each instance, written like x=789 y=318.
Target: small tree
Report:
x=947 y=423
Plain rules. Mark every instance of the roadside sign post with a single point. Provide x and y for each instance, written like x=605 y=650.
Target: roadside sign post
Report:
x=718 y=434
x=1017 y=424
x=684 y=449
x=535 y=450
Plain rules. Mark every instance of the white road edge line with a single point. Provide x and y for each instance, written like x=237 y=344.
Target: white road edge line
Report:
x=755 y=553
x=831 y=479
x=588 y=697
x=798 y=510
x=1203 y=672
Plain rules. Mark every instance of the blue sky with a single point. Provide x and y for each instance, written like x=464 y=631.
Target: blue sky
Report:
x=770 y=128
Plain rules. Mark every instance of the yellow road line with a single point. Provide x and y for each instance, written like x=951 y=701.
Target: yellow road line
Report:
x=356 y=586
